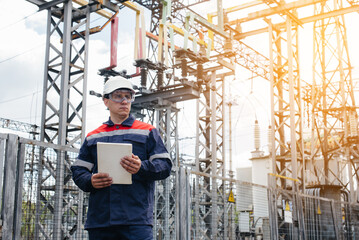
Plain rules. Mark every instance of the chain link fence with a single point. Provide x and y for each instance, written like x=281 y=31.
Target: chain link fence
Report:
x=323 y=212
x=30 y=196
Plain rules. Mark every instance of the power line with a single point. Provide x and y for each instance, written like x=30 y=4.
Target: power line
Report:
x=11 y=24
x=10 y=58
x=17 y=98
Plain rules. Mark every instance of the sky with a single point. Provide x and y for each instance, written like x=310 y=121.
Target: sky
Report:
x=22 y=49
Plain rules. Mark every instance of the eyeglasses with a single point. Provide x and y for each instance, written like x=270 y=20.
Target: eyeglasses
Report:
x=120 y=96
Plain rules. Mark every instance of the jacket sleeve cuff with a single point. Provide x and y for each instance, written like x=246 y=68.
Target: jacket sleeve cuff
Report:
x=89 y=186
x=156 y=170
x=142 y=171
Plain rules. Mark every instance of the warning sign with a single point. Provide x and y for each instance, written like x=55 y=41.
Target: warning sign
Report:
x=231 y=197
x=319 y=212
x=287 y=208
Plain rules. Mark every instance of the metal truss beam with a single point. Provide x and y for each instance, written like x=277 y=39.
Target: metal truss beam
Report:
x=275 y=10
x=161 y=97
x=252 y=60
x=19 y=126
x=37 y=2
x=51 y=4
x=313 y=18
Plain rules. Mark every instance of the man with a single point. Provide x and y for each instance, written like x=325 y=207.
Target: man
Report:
x=119 y=211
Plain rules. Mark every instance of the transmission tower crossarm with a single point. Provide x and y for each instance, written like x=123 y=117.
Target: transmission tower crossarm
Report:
x=156 y=38
x=284 y=10
x=132 y=6
x=181 y=32
x=50 y=4
x=275 y=10
x=111 y=6
x=101 y=12
x=239 y=7
x=210 y=26
x=304 y=20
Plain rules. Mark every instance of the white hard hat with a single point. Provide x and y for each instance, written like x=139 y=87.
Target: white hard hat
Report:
x=116 y=83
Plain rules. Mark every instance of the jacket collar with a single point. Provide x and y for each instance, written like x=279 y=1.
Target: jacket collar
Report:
x=128 y=122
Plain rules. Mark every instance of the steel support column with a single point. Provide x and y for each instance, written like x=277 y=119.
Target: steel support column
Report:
x=165 y=207
x=287 y=153
x=209 y=218
x=64 y=95
x=286 y=104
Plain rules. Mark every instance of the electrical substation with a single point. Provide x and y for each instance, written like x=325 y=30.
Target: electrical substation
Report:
x=304 y=187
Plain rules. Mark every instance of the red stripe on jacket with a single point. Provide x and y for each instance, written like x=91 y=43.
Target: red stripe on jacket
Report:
x=136 y=125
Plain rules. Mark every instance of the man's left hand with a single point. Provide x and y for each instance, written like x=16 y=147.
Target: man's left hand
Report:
x=132 y=164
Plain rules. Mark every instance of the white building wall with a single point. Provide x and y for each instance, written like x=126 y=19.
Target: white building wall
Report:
x=244 y=198
x=244 y=192
x=260 y=169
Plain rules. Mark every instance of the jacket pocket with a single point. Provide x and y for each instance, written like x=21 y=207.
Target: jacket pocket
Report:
x=135 y=138
x=138 y=145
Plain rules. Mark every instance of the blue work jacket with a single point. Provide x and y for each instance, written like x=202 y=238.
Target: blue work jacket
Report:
x=121 y=204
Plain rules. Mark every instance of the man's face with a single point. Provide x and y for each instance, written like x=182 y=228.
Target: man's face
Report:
x=119 y=102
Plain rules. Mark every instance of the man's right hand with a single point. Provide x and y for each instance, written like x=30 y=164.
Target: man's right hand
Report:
x=101 y=180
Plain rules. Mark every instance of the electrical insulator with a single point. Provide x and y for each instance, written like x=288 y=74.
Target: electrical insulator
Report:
x=353 y=124
x=143 y=77
x=184 y=67
x=257 y=137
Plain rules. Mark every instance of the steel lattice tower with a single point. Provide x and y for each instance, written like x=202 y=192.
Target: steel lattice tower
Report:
x=286 y=103
x=64 y=95
x=165 y=119
x=334 y=124
x=210 y=161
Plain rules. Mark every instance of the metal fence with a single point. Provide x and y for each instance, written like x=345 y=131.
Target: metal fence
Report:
x=323 y=212
x=29 y=196
x=240 y=210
